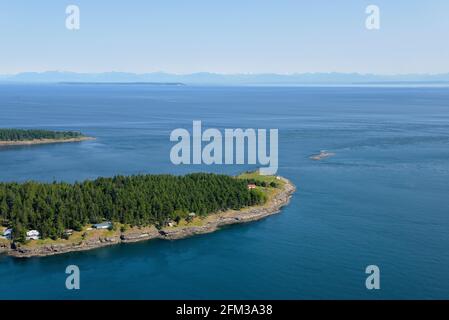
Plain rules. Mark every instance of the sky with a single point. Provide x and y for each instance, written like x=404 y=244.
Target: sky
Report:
x=227 y=36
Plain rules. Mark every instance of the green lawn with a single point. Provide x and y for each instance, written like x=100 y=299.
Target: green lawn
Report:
x=256 y=176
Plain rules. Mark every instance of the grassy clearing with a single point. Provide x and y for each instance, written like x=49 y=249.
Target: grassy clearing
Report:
x=3 y=241
x=255 y=175
x=76 y=238
x=196 y=222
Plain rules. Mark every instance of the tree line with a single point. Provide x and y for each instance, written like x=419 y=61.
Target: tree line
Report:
x=139 y=200
x=25 y=135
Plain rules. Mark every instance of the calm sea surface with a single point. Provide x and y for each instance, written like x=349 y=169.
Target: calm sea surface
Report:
x=383 y=199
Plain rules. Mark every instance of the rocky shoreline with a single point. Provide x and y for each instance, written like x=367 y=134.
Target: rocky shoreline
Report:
x=42 y=141
x=210 y=224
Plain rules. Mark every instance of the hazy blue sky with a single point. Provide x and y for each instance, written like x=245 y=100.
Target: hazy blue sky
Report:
x=227 y=36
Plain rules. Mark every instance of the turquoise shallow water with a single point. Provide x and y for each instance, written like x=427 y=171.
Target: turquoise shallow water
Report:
x=382 y=199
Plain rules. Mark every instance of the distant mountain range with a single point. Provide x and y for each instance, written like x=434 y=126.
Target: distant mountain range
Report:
x=224 y=79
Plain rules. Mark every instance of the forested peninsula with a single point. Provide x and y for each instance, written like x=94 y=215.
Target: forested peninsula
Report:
x=12 y=137
x=80 y=216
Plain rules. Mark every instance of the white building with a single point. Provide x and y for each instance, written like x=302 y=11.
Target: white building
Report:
x=7 y=233
x=33 y=235
x=103 y=225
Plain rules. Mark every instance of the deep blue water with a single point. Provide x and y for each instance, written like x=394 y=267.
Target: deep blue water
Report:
x=382 y=199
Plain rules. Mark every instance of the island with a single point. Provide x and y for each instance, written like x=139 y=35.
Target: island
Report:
x=40 y=219
x=20 y=137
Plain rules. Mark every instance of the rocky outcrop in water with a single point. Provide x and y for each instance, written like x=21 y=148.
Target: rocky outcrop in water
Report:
x=322 y=155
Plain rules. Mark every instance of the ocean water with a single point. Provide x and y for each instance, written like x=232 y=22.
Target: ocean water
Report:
x=382 y=199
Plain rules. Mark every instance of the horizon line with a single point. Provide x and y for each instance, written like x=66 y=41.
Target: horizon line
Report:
x=235 y=73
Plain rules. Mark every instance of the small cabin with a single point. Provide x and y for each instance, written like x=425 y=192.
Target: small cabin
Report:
x=103 y=225
x=7 y=233
x=251 y=186
x=33 y=235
